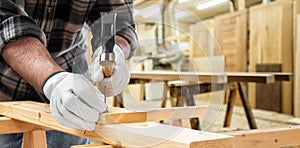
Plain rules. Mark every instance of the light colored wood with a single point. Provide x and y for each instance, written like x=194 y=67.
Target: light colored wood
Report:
x=231 y=34
x=271 y=42
x=257 y=77
x=89 y=52
x=275 y=137
x=297 y=73
x=176 y=113
x=185 y=76
x=202 y=41
x=180 y=37
x=114 y=115
x=116 y=134
x=121 y=115
x=158 y=135
x=213 y=64
x=39 y=114
x=240 y=4
x=92 y=146
x=8 y=125
x=34 y=139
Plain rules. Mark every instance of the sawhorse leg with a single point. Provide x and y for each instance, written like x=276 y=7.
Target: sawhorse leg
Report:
x=195 y=124
x=246 y=106
x=34 y=139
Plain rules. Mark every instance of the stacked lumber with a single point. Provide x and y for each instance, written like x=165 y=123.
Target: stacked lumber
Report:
x=231 y=34
x=271 y=43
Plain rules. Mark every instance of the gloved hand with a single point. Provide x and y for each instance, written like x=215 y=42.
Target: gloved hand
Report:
x=120 y=77
x=74 y=101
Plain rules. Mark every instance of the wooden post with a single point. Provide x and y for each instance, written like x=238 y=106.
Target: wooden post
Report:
x=34 y=139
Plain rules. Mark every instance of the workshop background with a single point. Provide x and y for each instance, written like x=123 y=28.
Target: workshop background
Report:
x=253 y=36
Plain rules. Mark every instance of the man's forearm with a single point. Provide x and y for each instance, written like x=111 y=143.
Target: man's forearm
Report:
x=31 y=60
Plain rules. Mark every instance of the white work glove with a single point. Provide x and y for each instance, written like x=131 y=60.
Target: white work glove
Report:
x=74 y=101
x=120 y=77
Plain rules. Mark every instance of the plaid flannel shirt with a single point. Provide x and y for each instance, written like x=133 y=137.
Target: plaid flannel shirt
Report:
x=62 y=27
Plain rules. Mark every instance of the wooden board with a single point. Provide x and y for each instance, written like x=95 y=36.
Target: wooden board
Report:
x=271 y=42
x=201 y=40
x=231 y=34
x=121 y=115
x=263 y=138
x=8 y=125
x=258 y=77
x=297 y=73
x=185 y=76
x=206 y=77
x=159 y=135
x=117 y=115
x=117 y=134
x=92 y=146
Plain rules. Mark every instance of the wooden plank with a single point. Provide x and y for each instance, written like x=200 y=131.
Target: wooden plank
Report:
x=122 y=115
x=231 y=34
x=8 y=125
x=116 y=134
x=159 y=135
x=251 y=77
x=274 y=137
x=271 y=42
x=34 y=139
x=285 y=76
x=176 y=113
x=119 y=115
x=297 y=72
x=201 y=40
x=92 y=146
x=186 y=76
x=39 y=114
x=207 y=64
x=205 y=77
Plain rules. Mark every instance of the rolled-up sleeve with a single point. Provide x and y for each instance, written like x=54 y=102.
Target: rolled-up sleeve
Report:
x=14 y=23
x=125 y=26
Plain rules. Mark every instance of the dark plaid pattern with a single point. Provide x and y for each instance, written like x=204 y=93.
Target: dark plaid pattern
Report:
x=61 y=26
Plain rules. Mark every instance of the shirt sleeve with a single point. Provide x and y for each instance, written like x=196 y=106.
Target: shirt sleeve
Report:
x=125 y=26
x=15 y=23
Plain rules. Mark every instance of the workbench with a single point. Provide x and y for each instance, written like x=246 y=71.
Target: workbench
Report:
x=205 y=81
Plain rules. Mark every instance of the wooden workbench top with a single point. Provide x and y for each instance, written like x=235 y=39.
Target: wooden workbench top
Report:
x=212 y=77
